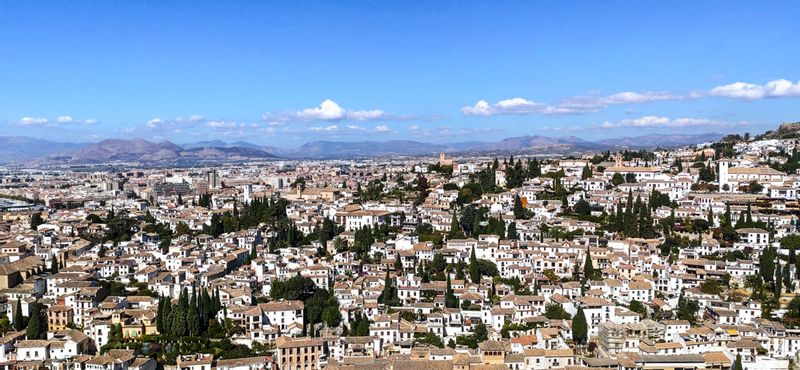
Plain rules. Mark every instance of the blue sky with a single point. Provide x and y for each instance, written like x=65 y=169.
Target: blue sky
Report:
x=287 y=72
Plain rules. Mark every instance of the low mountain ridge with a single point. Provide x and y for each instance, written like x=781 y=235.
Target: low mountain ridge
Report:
x=21 y=149
x=121 y=150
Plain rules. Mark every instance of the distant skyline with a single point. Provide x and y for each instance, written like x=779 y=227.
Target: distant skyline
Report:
x=284 y=73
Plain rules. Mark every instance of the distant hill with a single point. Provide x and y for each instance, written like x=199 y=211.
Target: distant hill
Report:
x=26 y=150
x=113 y=150
x=22 y=148
x=355 y=149
x=537 y=142
x=659 y=140
x=221 y=144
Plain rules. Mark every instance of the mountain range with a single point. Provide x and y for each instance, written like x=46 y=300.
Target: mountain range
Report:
x=26 y=150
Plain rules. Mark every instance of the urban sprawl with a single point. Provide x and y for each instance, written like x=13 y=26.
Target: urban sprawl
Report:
x=680 y=258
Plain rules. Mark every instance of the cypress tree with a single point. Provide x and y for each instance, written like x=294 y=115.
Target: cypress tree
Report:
x=630 y=226
x=474 y=273
x=767 y=264
x=54 y=265
x=455 y=228
x=737 y=364
x=580 y=329
x=512 y=231
x=217 y=303
x=586 y=172
x=203 y=309
x=37 y=328
x=160 y=315
x=748 y=220
x=787 y=280
x=168 y=314
x=519 y=209
x=588 y=267
x=740 y=223
x=727 y=220
x=192 y=317
x=389 y=294
x=619 y=219
x=645 y=223
x=179 y=321
x=19 y=320
x=450 y=300
x=778 y=283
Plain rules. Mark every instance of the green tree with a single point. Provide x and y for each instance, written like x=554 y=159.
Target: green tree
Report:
x=294 y=288
x=332 y=316
x=791 y=241
x=737 y=363
x=512 y=231
x=429 y=338
x=450 y=299
x=554 y=311
x=767 y=263
x=54 y=265
x=480 y=332
x=5 y=325
x=617 y=179
x=582 y=207
x=589 y=273
x=36 y=220
x=580 y=328
x=19 y=320
x=520 y=212
x=474 y=273
x=787 y=279
x=455 y=228
x=778 y=280
x=37 y=324
x=711 y=286
x=638 y=307
x=586 y=172
x=687 y=309
x=389 y=294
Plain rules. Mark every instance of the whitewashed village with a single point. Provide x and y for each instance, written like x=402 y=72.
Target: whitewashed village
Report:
x=675 y=258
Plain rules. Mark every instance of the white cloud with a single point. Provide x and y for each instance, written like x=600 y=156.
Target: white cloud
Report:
x=573 y=105
x=64 y=119
x=32 y=121
x=481 y=108
x=381 y=128
x=748 y=91
x=507 y=106
x=328 y=110
x=629 y=97
x=366 y=115
x=656 y=121
x=220 y=123
x=324 y=129
x=154 y=122
x=60 y=120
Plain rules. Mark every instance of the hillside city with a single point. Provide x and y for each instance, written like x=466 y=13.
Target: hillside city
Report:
x=667 y=258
